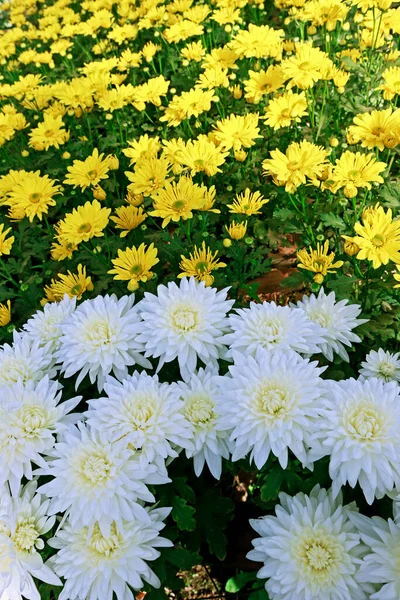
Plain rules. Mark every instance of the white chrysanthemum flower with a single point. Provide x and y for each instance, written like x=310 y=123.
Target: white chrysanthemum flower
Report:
x=310 y=549
x=23 y=520
x=96 y=480
x=145 y=413
x=186 y=322
x=25 y=360
x=274 y=328
x=337 y=320
x=201 y=397
x=99 y=566
x=45 y=325
x=359 y=428
x=381 y=564
x=100 y=337
x=270 y=403
x=381 y=364
x=27 y=430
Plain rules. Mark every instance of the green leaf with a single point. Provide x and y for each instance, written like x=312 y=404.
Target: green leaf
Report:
x=238 y=582
x=294 y=281
x=182 y=558
x=272 y=484
x=258 y=595
x=182 y=514
x=332 y=220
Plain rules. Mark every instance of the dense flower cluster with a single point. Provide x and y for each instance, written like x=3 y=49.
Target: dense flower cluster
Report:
x=199 y=273
x=99 y=462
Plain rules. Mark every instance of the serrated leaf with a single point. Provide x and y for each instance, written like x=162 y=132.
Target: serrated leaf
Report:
x=238 y=582
x=182 y=558
x=182 y=514
x=272 y=484
x=332 y=220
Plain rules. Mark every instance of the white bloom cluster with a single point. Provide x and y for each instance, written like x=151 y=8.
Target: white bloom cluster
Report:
x=95 y=458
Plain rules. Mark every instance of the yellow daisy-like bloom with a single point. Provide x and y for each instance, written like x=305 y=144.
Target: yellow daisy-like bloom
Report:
x=213 y=77
x=237 y=231
x=209 y=200
x=356 y=170
x=194 y=51
x=248 y=203
x=260 y=42
x=134 y=264
x=302 y=160
x=237 y=131
x=203 y=155
x=281 y=111
x=177 y=201
x=88 y=172
x=62 y=251
x=5 y=242
x=200 y=264
x=143 y=148
x=305 y=67
x=263 y=82
x=83 y=223
x=149 y=176
x=319 y=261
x=5 y=313
x=33 y=195
x=391 y=85
x=50 y=133
x=378 y=238
x=128 y=218
x=188 y=104
x=377 y=129
x=397 y=277
x=73 y=284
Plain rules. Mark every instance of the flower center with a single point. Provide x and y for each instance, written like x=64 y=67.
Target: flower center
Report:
x=201 y=267
x=136 y=269
x=386 y=369
x=35 y=197
x=305 y=66
x=106 y=547
x=92 y=174
x=99 y=333
x=378 y=240
x=178 y=205
x=26 y=536
x=33 y=420
x=272 y=402
x=49 y=133
x=271 y=331
x=319 y=556
x=322 y=319
x=96 y=468
x=84 y=228
x=293 y=165
x=354 y=175
x=184 y=319
x=199 y=409
x=364 y=422
x=140 y=410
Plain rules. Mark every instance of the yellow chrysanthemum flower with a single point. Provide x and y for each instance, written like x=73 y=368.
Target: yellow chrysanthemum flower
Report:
x=305 y=67
x=88 y=172
x=319 y=261
x=200 y=264
x=177 y=201
x=143 y=148
x=50 y=133
x=248 y=203
x=73 y=284
x=356 y=170
x=378 y=238
x=128 y=218
x=281 y=111
x=202 y=155
x=263 y=82
x=391 y=85
x=5 y=314
x=302 y=160
x=83 y=223
x=236 y=231
x=5 y=242
x=237 y=131
x=33 y=195
x=134 y=264
x=259 y=42
x=62 y=251
x=377 y=129
x=149 y=176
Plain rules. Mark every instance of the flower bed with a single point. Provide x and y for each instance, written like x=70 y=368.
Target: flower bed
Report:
x=161 y=165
